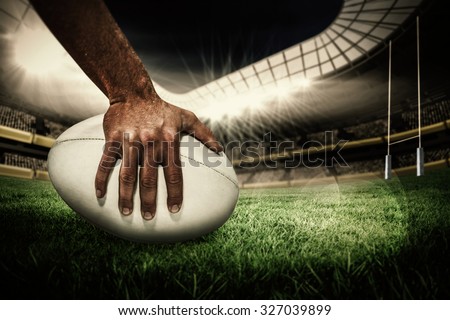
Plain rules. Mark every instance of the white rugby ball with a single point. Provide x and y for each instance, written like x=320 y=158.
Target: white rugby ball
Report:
x=210 y=188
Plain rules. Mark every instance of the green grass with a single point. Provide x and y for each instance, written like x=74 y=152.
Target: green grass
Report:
x=363 y=240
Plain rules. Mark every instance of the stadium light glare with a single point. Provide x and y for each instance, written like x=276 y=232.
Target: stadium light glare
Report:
x=37 y=51
x=40 y=72
x=304 y=83
x=286 y=91
x=257 y=99
x=283 y=86
x=231 y=107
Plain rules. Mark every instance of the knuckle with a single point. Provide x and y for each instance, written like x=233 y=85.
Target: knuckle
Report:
x=149 y=135
x=148 y=205
x=189 y=119
x=168 y=135
x=130 y=135
x=111 y=148
x=106 y=164
x=103 y=169
x=127 y=178
x=174 y=199
x=100 y=180
x=149 y=182
x=115 y=134
x=126 y=200
x=102 y=176
x=174 y=179
x=190 y=116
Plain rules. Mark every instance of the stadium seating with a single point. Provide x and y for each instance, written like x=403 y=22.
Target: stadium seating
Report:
x=12 y=118
x=362 y=136
x=20 y=127
x=16 y=119
x=256 y=163
x=21 y=161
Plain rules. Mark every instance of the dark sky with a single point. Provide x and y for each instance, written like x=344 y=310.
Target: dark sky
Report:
x=185 y=44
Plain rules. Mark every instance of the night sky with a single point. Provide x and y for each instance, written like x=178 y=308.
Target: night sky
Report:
x=185 y=44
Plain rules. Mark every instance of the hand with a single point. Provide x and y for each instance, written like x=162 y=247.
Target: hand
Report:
x=145 y=134
x=139 y=127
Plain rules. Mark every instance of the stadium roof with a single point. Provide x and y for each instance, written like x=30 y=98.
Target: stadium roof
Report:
x=306 y=80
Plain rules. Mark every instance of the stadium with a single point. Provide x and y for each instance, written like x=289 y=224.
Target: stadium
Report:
x=307 y=124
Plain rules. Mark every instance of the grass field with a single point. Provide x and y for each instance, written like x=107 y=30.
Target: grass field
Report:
x=362 y=240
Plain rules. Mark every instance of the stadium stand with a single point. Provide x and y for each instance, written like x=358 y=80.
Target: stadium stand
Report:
x=54 y=129
x=17 y=160
x=17 y=119
x=434 y=113
x=254 y=172
x=25 y=140
x=12 y=118
x=263 y=163
x=366 y=130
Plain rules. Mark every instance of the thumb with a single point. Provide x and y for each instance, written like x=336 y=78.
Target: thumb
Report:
x=193 y=126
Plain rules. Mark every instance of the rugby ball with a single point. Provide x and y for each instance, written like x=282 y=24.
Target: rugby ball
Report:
x=210 y=188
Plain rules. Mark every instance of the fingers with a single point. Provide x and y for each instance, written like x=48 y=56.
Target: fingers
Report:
x=158 y=149
x=128 y=174
x=153 y=142
x=192 y=125
x=172 y=171
x=111 y=153
x=148 y=190
x=148 y=176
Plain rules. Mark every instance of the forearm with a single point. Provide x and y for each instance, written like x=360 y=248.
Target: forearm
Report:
x=89 y=33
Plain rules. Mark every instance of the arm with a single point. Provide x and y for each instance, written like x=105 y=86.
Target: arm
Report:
x=139 y=126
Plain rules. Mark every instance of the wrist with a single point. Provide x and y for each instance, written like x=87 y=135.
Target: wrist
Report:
x=132 y=102
x=141 y=90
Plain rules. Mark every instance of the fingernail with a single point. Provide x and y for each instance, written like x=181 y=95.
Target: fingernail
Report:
x=126 y=211
x=98 y=193
x=175 y=208
x=148 y=216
